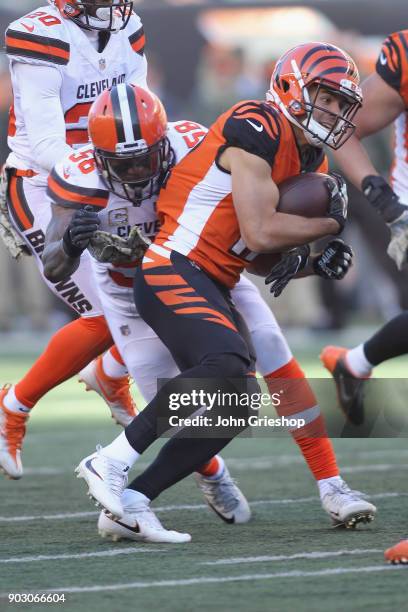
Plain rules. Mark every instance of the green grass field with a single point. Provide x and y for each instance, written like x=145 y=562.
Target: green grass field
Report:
x=287 y=558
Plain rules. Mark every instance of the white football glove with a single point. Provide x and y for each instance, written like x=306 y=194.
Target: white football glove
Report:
x=398 y=246
x=106 y=247
x=13 y=241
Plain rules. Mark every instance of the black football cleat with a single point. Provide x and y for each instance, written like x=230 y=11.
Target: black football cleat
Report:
x=350 y=388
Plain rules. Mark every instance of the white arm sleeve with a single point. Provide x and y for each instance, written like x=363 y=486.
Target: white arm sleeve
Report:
x=139 y=76
x=39 y=88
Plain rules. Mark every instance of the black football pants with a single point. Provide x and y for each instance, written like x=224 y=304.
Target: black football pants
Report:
x=196 y=319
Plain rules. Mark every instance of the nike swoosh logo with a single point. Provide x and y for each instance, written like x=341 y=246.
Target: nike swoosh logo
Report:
x=347 y=397
x=30 y=28
x=90 y=467
x=256 y=126
x=134 y=529
x=224 y=518
x=383 y=59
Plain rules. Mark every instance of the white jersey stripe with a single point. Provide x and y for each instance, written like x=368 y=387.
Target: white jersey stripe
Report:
x=200 y=205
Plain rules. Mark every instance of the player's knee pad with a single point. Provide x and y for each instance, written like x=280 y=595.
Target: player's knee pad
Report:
x=271 y=348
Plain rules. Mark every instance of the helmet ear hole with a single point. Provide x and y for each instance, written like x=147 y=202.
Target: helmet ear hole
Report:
x=285 y=86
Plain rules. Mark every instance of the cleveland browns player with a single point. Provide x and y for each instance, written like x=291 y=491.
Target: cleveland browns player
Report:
x=218 y=203
x=385 y=103
x=121 y=179
x=61 y=57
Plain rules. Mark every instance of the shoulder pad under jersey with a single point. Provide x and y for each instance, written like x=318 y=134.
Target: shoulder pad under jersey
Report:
x=39 y=37
x=75 y=181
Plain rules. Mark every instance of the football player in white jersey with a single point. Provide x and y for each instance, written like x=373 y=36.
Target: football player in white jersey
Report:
x=129 y=162
x=62 y=56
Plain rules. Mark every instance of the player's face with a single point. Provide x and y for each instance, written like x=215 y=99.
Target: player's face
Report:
x=134 y=169
x=329 y=106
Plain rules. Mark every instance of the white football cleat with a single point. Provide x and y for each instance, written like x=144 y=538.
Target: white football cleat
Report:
x=138 y=523
x=12 y=431
x=107 y=478
x=224 y=497
x=347 y=507
x=115 y=391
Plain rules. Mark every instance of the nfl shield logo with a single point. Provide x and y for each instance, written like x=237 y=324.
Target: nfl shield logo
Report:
x=125 y=330
x=102 y=64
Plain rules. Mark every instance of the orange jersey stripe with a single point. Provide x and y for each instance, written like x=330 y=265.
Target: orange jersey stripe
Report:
x=73 y=197
x=16 y=44
x=22 y=219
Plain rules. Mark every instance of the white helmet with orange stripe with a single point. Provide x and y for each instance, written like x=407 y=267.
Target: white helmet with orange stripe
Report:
x=100 y=15
x=128 y=128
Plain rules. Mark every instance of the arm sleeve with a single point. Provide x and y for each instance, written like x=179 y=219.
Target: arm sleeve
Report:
x=139 y=76
x=39 y=88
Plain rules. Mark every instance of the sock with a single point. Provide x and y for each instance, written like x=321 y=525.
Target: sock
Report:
x=358 y=362
x=324 y=484
x=11 y=402
x=113 y=365
x=70 y=349
x=121 y=450
x=311 y=439
x=390 y=341
x=213 y=469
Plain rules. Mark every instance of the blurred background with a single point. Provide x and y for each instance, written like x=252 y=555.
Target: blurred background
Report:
x=203 y=57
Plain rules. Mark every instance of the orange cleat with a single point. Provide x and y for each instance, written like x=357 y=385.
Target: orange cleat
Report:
x=115 y=391
x=350 y=388
x=398 y=553
x=12 y=432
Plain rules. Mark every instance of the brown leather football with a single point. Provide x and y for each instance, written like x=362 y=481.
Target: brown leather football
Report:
x=306 y=195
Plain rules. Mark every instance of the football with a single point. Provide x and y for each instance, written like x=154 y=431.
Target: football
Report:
x=304 y=194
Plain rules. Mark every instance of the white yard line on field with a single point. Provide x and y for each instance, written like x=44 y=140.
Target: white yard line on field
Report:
x=335 y=571
x=176 y=508
x=302 y=555
x=87 y=555
x=251 y=464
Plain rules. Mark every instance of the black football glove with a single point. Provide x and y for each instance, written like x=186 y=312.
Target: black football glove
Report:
x=382 y=198
x=81 y=228
x=289 y=265
x=334 y=261
x=338 y=199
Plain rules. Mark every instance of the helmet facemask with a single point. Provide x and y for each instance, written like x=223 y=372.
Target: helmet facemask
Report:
x=135 y=175
x=338 y=127
x=98 y=15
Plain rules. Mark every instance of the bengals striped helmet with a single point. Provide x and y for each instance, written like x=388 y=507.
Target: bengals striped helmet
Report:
x=297 y=82
x=128 y=128
x=100 y=15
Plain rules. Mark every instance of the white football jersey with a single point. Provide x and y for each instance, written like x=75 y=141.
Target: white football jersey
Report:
x=76 y=182
x=44 y=38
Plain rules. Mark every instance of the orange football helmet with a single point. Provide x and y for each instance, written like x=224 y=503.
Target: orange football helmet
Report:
x=128 y=128
x=326 y=67
x=109 y=16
